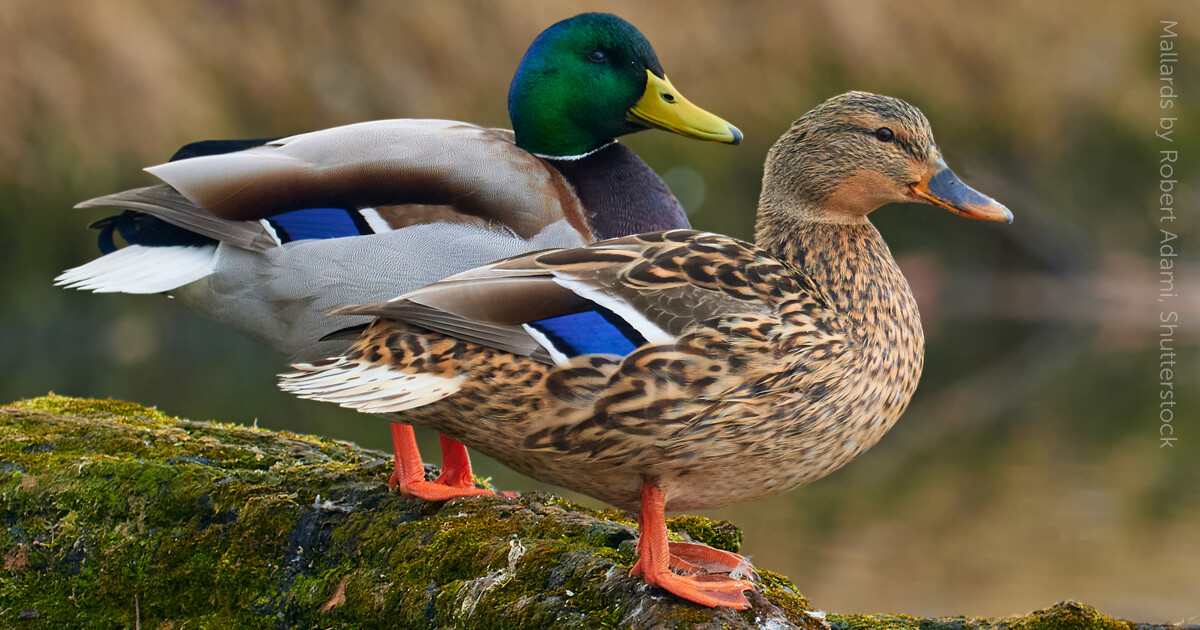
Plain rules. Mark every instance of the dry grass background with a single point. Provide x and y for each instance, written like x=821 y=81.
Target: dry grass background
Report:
x=1027 y=470
x=1029 y=69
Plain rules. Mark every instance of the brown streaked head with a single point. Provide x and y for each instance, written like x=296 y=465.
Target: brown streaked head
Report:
x=858 y=151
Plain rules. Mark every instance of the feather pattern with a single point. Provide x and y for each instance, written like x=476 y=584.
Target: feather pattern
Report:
x=593 y=331
x=281 y=296
x=738 y=325
x=477 y=170
x=137 y=269
x=763 y=367
x=410 y=189
x=350 y=384
x=365 y=212
x=317 y=223
x=166 y=203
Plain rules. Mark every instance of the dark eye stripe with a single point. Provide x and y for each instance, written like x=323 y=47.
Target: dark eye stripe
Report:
x=903 y=140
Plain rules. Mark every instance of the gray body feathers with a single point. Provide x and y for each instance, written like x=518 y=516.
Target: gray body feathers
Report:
x=280 y=296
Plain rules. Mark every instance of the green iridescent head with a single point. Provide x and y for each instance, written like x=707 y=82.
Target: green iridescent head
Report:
x=592 y=78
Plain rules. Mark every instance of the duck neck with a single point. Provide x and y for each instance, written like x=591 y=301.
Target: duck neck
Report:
x=848 y=259
x=620 y=194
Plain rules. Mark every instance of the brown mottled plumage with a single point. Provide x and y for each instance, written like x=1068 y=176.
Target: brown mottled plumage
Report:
x=760 y=368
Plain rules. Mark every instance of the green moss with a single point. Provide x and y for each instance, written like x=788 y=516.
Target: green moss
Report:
x=115 y=514
x=784 y=594
x=863 y=622
x=467 y=546
x=688 y=615
x=1066 y=615
x=91 y=407
x=107 y=503
x=719 y=534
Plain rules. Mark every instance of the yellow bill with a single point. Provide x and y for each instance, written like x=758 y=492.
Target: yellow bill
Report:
x=662 y=106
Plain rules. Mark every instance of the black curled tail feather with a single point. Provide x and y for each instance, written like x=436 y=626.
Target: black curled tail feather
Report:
x=139 y=228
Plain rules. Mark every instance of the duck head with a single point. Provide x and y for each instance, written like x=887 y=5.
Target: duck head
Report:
x=589 y=79
x=858 y=151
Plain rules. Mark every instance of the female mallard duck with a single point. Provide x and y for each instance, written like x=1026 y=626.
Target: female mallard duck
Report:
x=680 y=369
x=266 y=236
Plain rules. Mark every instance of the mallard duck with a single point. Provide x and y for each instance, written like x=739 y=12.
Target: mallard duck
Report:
x=679 y=370
x=265 y=236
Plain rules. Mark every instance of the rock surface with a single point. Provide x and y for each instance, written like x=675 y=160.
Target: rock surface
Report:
x=120 y=516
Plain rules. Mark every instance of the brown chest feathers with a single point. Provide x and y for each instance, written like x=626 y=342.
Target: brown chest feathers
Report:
x=853 y=268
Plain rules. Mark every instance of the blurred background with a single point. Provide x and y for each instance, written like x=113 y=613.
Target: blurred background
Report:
x=1028 y=468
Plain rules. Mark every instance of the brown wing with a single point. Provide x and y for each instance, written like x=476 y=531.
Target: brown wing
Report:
x=661 y=284
x=477 y=171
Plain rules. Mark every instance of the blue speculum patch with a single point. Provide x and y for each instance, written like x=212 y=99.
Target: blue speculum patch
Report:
x=597 y=331
x=318 y=223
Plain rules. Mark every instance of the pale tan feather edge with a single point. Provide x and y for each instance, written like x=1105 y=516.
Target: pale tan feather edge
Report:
x=367 y=387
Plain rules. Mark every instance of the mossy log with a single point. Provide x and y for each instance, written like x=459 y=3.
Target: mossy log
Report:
x=120 y=516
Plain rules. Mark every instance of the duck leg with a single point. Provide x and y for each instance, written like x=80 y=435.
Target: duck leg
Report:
x=695 y=558
x=456 y=464
x=408 y=473
x=655 y=560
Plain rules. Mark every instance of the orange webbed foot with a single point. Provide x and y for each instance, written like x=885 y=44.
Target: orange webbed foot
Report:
x=408 y=472
x=689 y=557
x=658 y=558
x=433 y=491
x=697 y=559
x=706 y=590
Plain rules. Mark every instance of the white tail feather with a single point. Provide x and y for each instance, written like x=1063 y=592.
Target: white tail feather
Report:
x=368 y=387
x=140 y=269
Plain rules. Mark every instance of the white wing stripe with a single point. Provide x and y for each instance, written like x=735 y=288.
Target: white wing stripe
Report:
x=378 y=224
x=622 y=309
x=555 y=354
x=271 y=230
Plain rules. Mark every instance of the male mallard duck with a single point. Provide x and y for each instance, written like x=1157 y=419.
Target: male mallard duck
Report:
x=680 y=369
x=266 y=236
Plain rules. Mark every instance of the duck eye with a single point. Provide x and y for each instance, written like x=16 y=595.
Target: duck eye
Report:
x=597 y=56
x=883 y=134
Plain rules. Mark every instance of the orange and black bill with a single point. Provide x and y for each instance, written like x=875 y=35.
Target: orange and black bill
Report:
x=941 y=187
